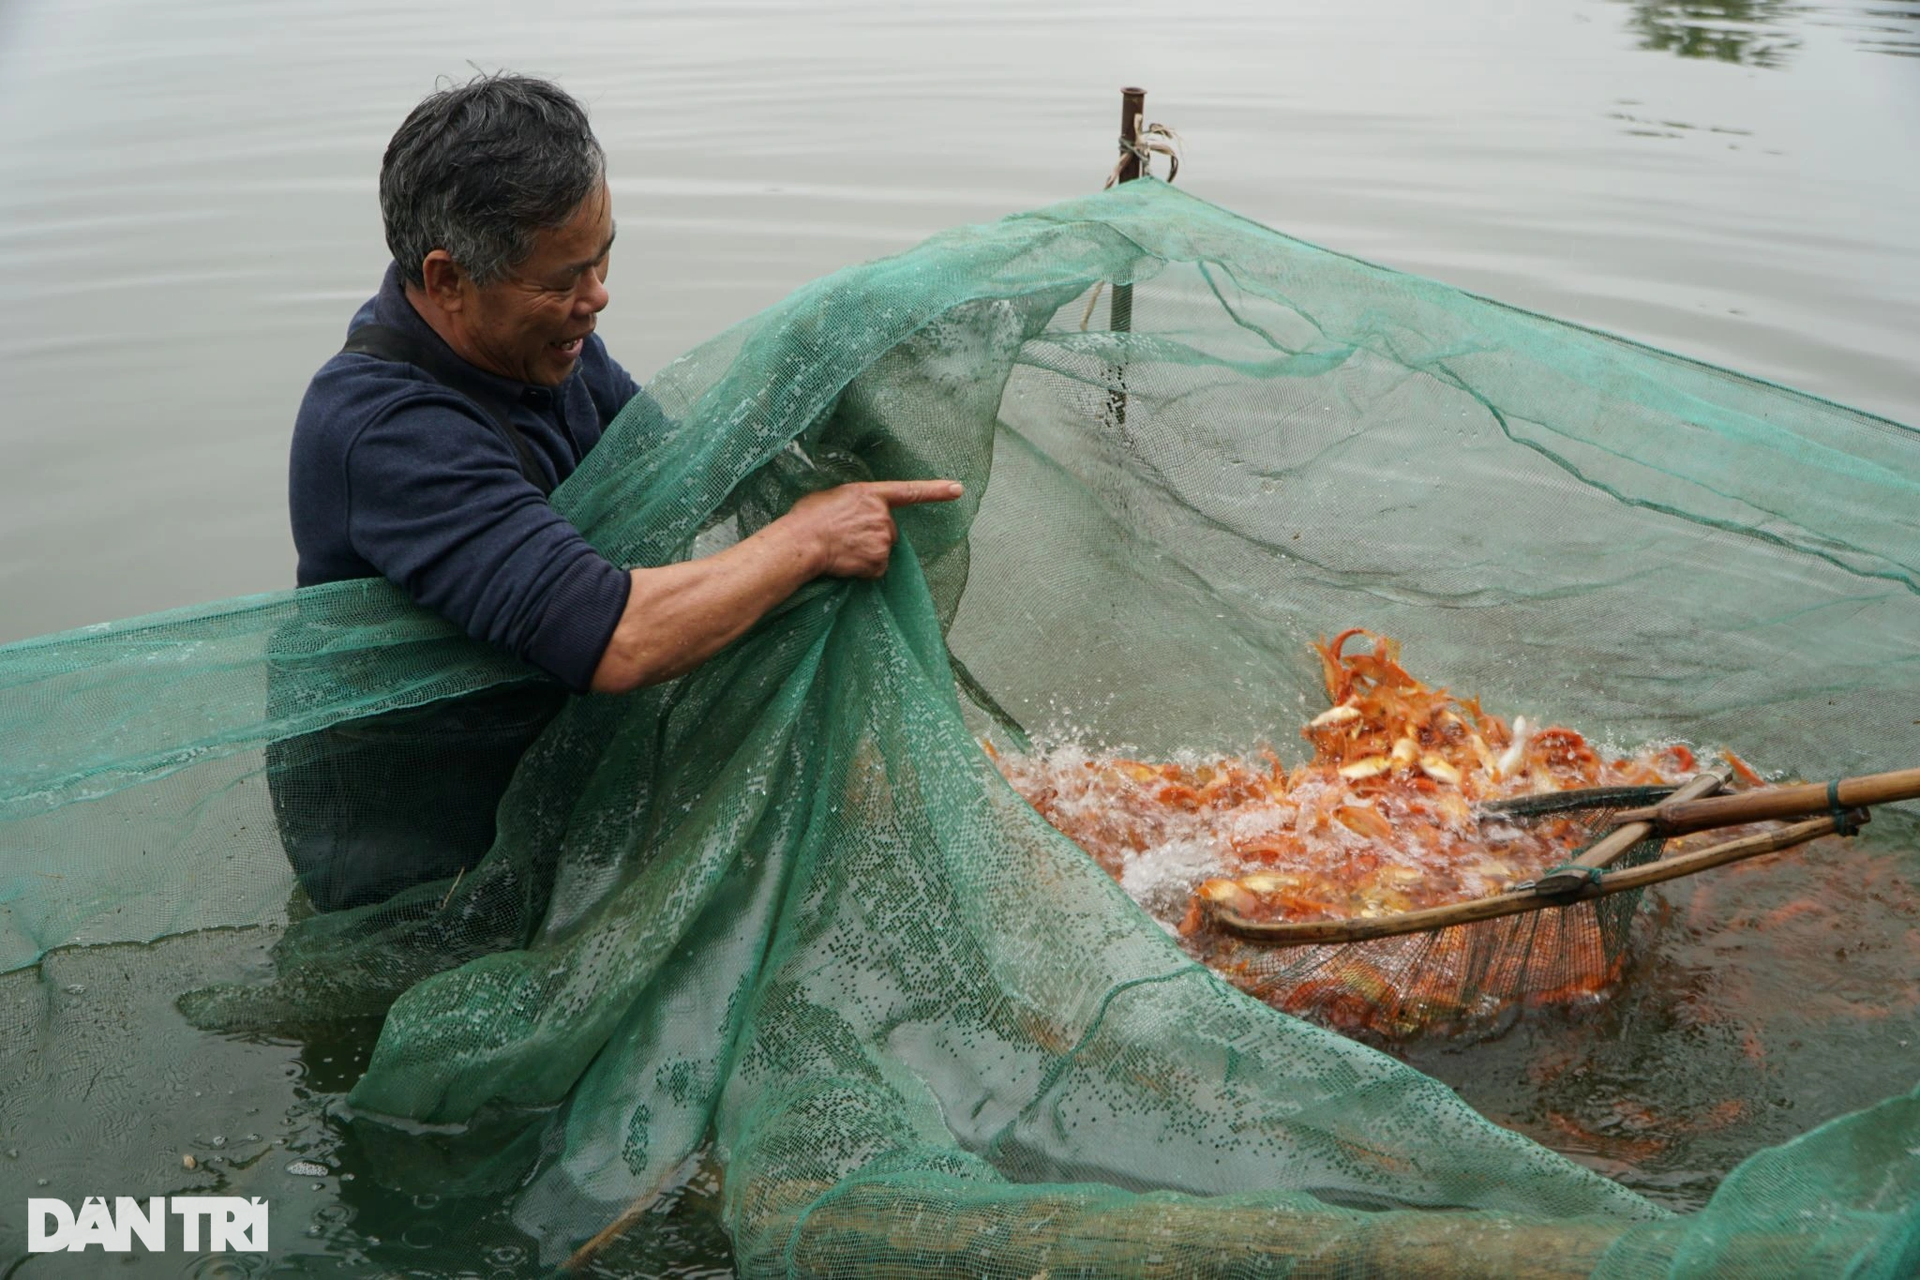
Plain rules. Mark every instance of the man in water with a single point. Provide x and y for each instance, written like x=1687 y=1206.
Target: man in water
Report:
x=470 y=386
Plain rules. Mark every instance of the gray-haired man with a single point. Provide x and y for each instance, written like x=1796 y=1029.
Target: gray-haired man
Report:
x=470 y=386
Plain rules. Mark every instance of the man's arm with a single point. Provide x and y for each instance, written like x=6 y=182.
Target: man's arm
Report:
x=679 y=615
x=432 y=497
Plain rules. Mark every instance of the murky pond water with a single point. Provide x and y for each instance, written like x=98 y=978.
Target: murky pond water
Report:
x=187 y=219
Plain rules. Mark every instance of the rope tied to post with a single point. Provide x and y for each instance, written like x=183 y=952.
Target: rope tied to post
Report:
x=1152 y=140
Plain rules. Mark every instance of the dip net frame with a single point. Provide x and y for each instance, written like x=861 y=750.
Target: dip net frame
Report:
x=1562 y=940
x=1468 y=967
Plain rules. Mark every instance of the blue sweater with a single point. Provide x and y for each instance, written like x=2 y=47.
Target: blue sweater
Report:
x=395 y=476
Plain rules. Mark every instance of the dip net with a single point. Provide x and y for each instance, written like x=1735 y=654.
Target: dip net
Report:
x=787 y=905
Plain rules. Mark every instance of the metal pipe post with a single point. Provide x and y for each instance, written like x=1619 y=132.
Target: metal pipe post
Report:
x=1133 y=105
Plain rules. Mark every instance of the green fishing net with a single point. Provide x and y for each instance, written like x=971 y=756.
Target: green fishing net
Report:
x=787 y=906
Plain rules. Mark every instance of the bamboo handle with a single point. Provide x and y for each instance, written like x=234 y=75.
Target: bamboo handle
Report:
x=872 y=1230
x=1677 y=817
x=1629 y=833
x=1745 y=847
x=1326 y=932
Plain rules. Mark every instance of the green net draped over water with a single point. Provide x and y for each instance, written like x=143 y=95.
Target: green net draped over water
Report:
x=787 y=905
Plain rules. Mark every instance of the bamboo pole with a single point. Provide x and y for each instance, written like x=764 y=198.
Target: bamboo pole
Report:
x=902 y=1231
x=1608 y=850
x=1311 y=932
x=887 y=1229
x=1718 y=855
x=1674 y=817
x=583 y=1257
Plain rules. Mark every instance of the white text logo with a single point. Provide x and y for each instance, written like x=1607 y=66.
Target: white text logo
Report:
x=228 y=1224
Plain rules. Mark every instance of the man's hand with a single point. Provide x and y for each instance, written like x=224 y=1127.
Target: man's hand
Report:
x=679 y=615
x=851 y=527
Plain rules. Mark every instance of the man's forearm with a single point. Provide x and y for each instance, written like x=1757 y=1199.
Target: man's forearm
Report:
x=679 y=615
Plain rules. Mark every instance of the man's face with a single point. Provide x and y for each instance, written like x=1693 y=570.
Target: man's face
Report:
x=531 y=324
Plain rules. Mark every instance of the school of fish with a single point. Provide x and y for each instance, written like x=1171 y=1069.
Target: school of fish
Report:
x=1380 y=820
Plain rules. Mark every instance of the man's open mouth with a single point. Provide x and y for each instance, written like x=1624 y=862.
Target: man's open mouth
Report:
x=571 y=347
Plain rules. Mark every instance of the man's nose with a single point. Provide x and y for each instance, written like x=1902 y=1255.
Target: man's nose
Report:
x=594 y=297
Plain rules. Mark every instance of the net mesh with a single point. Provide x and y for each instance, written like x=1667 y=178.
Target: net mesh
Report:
x=787 y=904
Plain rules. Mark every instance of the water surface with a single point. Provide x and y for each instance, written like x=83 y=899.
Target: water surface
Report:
x=188 y=217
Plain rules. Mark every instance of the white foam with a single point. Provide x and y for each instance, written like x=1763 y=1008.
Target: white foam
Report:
x=1162 y=878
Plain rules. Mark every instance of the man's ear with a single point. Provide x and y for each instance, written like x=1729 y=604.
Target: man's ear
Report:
x=444 y=282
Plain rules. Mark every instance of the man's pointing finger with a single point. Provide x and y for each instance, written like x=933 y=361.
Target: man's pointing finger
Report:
x=906 y=493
